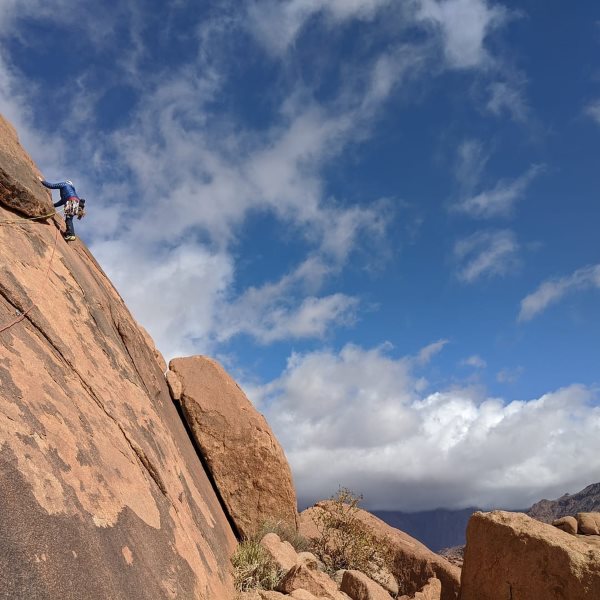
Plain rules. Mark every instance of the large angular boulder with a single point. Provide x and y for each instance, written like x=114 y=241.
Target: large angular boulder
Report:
x=359 y=587
x=431 y=591
x=568 y=524
x=282 y=553
x=511 y=555
x=102 y=494
x=245 y=460
x=413 y=564
x=315 y=582
x=20 y=189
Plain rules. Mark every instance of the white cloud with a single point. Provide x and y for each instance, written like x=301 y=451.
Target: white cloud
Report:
x=593 y=110
x=507 y=98
x=428 y=352
x=486 y=254
x=509 y=375
x=501 y=199
x=474 y=361
x=277 y=24
x=472 y=159
x=359 y=418
x=552 y=291
x=464 y=27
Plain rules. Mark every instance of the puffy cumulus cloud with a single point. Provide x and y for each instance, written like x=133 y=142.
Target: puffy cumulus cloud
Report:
x=501 y=199
x=486 y=254
x=363 y=419
x=464 y=26
x=552 y=291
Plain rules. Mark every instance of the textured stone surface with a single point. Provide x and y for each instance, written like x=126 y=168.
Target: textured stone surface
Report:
x=568 y=524
x=414 y=563
x=303 y=595
x=20 y=189
x=174 y=384
x=246 y=461
x=315 y=582
x=359 y=587
x=431 y=591
x=588 y=523
x=102 y=494
x=282 y=553
x=310 y=561
x=510 y=555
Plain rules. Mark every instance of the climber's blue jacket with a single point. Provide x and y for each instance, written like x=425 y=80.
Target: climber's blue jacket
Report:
x=67 y=189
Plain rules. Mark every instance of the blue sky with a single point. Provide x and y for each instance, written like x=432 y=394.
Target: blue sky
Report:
x=380 y=215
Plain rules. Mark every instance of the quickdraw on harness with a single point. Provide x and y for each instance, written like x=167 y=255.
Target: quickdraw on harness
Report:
x=75 y=207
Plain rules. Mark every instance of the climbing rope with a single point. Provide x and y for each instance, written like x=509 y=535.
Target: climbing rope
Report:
x=46 y=276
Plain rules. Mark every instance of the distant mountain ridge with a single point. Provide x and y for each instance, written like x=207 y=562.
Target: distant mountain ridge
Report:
x=587 y=500
x=437 y=529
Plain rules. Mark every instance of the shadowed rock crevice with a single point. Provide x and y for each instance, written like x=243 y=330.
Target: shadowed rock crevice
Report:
x=209 y=474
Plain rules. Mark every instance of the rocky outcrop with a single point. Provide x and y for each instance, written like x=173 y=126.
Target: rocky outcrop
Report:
x=432 y=590
x=510 y=555
x=414 y=563
x=102 y=494
x=245 y=459
x=568 y=524
x=587 y=500
x=20 y=189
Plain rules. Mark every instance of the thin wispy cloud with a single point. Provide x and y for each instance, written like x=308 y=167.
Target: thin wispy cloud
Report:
x=474 y=361
x=486 y=254
x=506 y=98
x=593 y=110
x=553 y=291
x=500 y=200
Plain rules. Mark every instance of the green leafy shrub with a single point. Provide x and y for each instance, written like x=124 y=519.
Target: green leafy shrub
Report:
x=286 y=533
x=253 y=568
x=345 y=542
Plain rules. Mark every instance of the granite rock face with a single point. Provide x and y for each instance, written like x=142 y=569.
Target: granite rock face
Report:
x=102 y=493
x=246 y=461
x=510 y=555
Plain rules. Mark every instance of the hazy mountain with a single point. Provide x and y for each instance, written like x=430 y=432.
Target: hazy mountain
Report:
x=587 y=500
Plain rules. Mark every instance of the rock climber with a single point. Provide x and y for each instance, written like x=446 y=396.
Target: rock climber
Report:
x=74 y=206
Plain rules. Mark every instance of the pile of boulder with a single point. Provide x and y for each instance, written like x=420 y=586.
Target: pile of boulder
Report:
x=584 y=523
x=305 y=579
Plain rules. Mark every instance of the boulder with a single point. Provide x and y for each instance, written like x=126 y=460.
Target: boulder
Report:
x=282 y=553
x=245 y=459
x=310 y=561
x=174 y=384
x=271 y=595
x=303 y=595
x=431 y=591
x=359 y=587
x=568 y=524
x=315 y=582
x=20 y=189
x=588 y=523
x=511 y=555
x=413 y=564
x=102 y=494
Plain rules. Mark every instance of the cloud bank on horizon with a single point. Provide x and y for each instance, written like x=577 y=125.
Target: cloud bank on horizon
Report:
x=312 y=191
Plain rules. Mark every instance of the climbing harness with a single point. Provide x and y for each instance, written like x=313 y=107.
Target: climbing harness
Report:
x=25 y=221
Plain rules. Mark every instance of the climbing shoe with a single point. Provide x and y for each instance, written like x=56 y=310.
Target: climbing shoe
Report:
x=70 y=238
